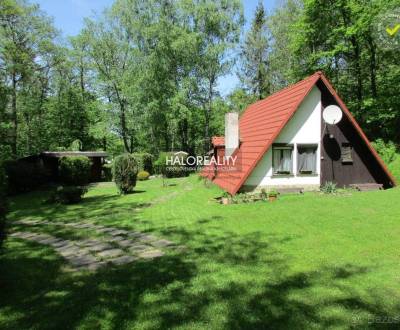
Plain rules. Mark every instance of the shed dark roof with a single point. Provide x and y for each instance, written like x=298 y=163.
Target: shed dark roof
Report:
x=58 y=154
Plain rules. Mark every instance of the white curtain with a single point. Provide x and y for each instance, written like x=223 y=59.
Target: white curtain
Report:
x=282 y=160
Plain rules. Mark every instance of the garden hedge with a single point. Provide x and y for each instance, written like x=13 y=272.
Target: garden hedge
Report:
x=145 y=161
x=75 y=170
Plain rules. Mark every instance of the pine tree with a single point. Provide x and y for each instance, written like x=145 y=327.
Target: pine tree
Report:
x=254 y=71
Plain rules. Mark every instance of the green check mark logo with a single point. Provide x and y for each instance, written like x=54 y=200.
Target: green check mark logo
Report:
x=393 y=31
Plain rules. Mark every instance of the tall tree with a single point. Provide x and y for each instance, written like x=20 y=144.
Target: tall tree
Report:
x=255 y=66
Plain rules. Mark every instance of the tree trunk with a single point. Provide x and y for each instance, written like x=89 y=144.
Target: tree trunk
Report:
x=14 y=116
x=207 y=113
x=372 y=65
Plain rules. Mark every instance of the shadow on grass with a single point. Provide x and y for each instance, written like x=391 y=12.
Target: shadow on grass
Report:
x=202 y=287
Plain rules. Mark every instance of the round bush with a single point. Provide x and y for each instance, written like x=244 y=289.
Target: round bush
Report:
x=68 y=195
x=145 y=161
x=125 y=169
x=75 y=170
x=143 y=175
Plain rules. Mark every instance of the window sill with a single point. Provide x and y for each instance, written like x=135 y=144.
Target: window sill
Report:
x=277 y=175
x=307 y=174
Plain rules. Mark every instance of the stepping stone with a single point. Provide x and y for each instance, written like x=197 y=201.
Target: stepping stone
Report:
x=134 y=234
x=150 y=254
x=89 y=242
x=123 y=260
x=93 y=266
x=50 y=241
x=82 y=225
x=23 y=235
x=116 y=239
x=147 y=238
x=110 y=253
x=99 y=247
x=139 y=248
x=162 y=243
x=69 y=250
x=60 y=243
x=41 y=238
x=82 y=260
x=118 y=232
x=126 y=243
x=105 y=230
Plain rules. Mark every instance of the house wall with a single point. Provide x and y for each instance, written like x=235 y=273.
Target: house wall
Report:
x=363 y=169
x=303 y=128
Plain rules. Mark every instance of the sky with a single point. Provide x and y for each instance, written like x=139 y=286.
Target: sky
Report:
x=68 y=17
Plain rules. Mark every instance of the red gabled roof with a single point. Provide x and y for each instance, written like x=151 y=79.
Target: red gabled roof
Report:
x=218 y=141
x=261 y=124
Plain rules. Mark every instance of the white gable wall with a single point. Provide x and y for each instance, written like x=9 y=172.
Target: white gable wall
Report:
x=303 y=128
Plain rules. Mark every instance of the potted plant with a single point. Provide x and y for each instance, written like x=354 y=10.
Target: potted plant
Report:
x=226 y=197
x=272 y=195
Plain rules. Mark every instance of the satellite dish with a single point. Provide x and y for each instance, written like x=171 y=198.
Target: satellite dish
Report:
x=332 y=114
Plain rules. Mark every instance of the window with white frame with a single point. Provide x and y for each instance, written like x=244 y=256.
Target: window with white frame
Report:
x=306 y=159
x=282 y=159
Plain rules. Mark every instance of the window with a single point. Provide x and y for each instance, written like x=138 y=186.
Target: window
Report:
x=282 y=159
x=347 y=153
x=307 y=159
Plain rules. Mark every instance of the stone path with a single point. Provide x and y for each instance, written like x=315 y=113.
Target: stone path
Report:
x=116 y=246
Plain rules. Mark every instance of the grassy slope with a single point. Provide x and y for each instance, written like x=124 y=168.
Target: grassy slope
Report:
x=309 y=261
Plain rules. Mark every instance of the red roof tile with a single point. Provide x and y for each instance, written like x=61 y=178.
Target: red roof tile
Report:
x=261 y=124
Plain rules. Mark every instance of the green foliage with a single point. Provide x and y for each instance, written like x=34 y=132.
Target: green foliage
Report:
x=387 y=151
x=24 y=176
x=255 y=70
x=125 y=169
x=329 y=187
x=143 y=175
x=174 y=170
x=107 y=172
x=68 y=194
x=75 y=170
x=394 y=168
x=145 y=161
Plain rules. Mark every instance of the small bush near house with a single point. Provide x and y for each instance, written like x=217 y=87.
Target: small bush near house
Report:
x=143 y=175
x=75 y=170
x=173 y=170
x=145 y=161
x=107 y=172
x=329 y=188
x=68 y=195
x=24 y=176
x=3 y=205
x=387 y=150
x=125 y=171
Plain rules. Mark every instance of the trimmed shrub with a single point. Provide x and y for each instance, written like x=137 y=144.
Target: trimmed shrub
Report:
x=75 y=170
x=68 y=195
x=386 y=150
x=107 y=172
x=171 y=170
x=3 y=204
x=24 y=176
x=143 y=175
x=125 y=169
x=145 y=161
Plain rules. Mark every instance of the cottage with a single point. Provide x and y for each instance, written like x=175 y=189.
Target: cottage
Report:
x=283 y=142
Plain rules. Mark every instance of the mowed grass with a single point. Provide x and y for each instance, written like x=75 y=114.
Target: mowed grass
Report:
x=303 y=262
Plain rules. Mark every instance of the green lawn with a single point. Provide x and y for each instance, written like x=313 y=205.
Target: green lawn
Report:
x=302 y=262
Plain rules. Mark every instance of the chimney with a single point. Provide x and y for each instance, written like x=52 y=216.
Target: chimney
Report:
x=231 y=132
